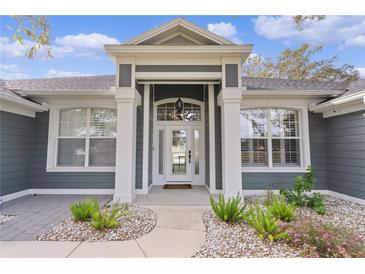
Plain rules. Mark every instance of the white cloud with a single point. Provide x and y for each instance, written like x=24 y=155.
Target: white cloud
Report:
x=361 y=71
x=227 y=30
x=80 y=45
x=346 y=31
x=52 y=73
x=12 y=71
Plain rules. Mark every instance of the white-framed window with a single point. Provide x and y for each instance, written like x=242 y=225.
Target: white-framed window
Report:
x=85 y=139
x=272 y=139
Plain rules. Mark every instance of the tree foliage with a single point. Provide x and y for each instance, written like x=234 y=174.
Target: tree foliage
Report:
x=300 y=64
x=300 y=20
x=33 y=28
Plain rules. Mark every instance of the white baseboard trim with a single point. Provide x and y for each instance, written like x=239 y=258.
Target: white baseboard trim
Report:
x=322 y=191
x=91 y=191
x=14 y=195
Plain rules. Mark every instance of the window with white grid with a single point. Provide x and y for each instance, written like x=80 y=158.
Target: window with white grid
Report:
x=86 y=137
x=270 y=138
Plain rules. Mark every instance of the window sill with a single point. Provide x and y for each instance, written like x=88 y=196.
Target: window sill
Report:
x=81 y=169
x=273 y=169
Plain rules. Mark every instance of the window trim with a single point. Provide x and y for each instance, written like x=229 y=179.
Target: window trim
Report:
x=52 y=148
x=304 y=145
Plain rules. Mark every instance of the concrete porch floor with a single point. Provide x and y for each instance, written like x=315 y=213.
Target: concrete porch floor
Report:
x=197 y=196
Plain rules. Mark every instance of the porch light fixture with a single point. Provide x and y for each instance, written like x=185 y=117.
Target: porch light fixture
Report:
x=179 y=105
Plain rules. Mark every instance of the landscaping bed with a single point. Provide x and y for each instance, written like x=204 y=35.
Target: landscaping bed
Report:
x=6 y=218
x=238 y=239
x=137 y=222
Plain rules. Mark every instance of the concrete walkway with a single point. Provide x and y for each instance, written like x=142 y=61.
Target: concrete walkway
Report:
x=179 y=233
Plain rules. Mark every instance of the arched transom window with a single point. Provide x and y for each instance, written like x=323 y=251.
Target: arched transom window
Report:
x=169 y=112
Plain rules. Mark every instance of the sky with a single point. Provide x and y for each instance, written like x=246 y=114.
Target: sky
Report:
x=77 y=41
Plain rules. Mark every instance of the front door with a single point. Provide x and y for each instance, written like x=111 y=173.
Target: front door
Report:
x=178 y=154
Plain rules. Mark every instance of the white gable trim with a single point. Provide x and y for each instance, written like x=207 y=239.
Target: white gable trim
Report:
x=191 y=39
x=183 y=23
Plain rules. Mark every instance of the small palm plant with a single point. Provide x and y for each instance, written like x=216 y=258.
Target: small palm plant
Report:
x=281 y=210
x=230 y=210
x=82 y=211
x=105 y=219
x=266 y=225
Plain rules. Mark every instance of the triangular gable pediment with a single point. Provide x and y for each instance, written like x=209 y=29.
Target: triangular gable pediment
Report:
x=179 y=32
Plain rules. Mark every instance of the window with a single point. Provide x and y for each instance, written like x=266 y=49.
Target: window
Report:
x=168 y=112
x=270 y=138
x=86 y=137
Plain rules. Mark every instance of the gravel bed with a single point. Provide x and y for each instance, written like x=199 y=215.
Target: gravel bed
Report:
x=225 y=240
x=138 y=222
x=240 y=240
x=6 y=218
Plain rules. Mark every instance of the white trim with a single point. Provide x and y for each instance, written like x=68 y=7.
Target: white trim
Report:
x=178 y=22
x=151 y=82
x=88 y=93
x=146 y=129
x=291 y=93
x=211 y=114
x=53 y=127
x=305 y=158
x=15 y=195
x=178 y=75
x=13 y=108
x=172 y=36
x=322 y=191
x=68 y=191
x=339 y=101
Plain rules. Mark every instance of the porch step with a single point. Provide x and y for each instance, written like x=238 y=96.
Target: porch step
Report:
x=177 y=186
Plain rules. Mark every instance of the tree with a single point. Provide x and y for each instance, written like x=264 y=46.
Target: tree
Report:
x=297 y=64
x=299 y=20
x=35 y=29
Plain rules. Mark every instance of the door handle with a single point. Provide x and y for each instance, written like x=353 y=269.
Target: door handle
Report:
x=189 y=156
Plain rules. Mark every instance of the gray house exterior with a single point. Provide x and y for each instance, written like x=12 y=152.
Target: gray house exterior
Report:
x=122 y=134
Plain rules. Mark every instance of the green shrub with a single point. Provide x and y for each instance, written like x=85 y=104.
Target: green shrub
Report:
x=82 y=211
x=266 y=225
x=105 y=219
x=230 y=210
x=299 y=194
x=316 y=203
x=324 y=240
x=281 y=210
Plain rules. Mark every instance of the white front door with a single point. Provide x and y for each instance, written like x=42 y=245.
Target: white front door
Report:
x=178 y=154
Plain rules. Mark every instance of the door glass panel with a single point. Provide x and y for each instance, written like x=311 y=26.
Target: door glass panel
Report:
x=196 y=151
x=160 y=151
x=178 y=151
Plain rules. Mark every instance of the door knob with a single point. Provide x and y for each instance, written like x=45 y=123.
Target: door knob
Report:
x=189 y=156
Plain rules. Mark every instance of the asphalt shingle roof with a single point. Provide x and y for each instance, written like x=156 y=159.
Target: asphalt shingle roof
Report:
x=105 y=82
x=258 y=83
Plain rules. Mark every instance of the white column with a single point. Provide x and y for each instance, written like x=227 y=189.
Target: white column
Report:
x=146 y=129
x=212 y=184
x=125 y=167
x=230 y=101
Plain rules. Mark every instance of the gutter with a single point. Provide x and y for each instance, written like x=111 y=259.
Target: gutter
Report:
x=65 y=92
x=339 y=101
x=311 y=93
x=23 y=102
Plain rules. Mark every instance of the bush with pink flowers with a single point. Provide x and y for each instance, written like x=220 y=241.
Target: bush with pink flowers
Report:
x=324 y=240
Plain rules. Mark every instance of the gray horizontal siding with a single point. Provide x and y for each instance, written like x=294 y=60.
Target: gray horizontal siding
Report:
x=346 y=154
x=53 y=180
x=183 y=91
x=16 y=137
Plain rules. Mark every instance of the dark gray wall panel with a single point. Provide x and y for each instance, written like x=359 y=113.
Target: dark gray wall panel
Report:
x=125 y=75
x=178 y=68
x=139 y=139
x=218 y=139
x=231 y=75
x=346 y=154
x=16 y=138
x=186 y=91
x=75 y=180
